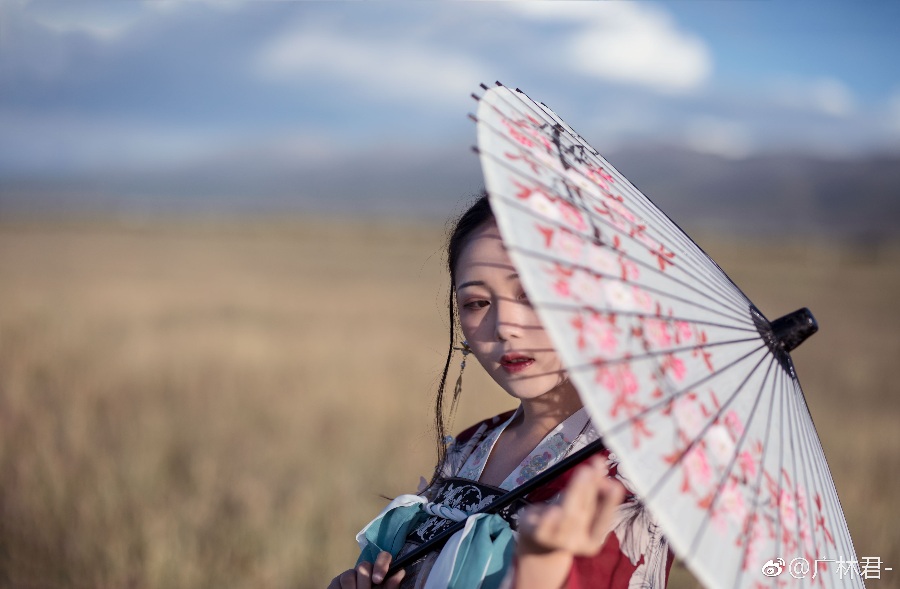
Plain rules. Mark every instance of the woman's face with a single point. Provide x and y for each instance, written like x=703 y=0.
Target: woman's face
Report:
x=499 y=323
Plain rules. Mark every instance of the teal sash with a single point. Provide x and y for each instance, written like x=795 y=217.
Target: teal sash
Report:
x=476 y=557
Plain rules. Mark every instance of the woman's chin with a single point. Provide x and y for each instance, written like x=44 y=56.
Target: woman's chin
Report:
x=526 y=389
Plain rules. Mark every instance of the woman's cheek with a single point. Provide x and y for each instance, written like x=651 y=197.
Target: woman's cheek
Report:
x=469 y=320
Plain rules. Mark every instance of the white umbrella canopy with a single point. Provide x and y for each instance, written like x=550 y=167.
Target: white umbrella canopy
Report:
x=691 y=387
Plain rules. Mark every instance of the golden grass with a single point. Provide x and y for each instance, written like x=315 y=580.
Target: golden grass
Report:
x=221 y=404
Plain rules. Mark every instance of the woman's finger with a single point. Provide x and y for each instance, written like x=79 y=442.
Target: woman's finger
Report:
x=607 y=495
x=552 y=530
x=538 y=528
x=364 y=575
x=347 y=579
x=394 y=581
x=531 y=517
x=579 y=499
x=610 y=496
x=381 y=566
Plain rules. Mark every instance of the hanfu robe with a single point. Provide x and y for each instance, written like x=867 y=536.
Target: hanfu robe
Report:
x=635 y=553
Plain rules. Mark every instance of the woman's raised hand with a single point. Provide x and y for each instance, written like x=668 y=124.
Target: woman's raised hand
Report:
x=550 y=536
x=367 y=574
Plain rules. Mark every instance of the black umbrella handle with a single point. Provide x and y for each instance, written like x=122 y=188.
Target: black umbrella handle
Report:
x=507 y=499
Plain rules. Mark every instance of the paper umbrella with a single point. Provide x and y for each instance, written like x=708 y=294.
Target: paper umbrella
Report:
x=687 y=382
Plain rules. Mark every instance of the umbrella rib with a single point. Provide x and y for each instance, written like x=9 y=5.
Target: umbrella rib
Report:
x=697 y=258
x=704 y=275
x=655 y=353
x=804 y=422
x=550 y=118
x=814 y=436
x=781 y=446
x=727 y=289
x=666 y=223
x=681 y=455
x=726 y=313
x=827 y=492
x=758 y=486
x=805 y=449
x=708 y=279
x=574 y=306
x=738 y=446
x=677 y=234
x=777 y=498
x=730 y=303
x=793 y=415
x=822 y=477
x=662 y=402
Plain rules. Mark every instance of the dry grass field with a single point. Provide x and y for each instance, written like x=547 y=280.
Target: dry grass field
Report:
x=221 y=404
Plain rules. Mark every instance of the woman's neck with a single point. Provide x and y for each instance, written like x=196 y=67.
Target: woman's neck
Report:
x=541 y=414
x=531 y=424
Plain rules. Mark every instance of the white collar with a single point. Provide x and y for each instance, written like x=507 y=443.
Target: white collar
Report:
x=555 y=446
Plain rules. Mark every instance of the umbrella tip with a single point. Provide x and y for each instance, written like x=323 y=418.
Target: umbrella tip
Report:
x=794 y=328
x=497 y=83
x=473 y=117
x=483 y=86
x=785 y=333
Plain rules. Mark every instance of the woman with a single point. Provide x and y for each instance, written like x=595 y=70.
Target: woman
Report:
x=563 y=537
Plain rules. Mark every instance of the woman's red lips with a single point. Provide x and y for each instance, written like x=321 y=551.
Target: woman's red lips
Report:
x=515 y=362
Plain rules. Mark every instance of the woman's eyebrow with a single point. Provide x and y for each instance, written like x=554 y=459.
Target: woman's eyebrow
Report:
x=470 y=283
x=481 y=282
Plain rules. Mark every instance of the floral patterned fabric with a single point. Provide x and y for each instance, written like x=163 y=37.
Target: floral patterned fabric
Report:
x=548 y=452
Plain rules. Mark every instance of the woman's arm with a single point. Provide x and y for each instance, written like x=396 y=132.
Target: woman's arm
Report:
x=551 y=536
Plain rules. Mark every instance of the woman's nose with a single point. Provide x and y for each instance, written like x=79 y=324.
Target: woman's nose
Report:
x=509 y=319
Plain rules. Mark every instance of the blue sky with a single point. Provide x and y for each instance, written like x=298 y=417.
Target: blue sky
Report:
x=166 y=87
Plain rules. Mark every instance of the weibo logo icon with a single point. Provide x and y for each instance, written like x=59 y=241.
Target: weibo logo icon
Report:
x=773 y=568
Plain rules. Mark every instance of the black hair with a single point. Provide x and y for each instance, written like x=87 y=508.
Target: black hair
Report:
x=475 y=216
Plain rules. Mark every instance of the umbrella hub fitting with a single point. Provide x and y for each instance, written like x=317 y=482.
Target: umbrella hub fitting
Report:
x=793 y=329
x=784 y=334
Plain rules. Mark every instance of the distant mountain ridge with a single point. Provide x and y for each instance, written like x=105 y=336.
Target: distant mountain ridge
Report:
x=760 y=195
x=772 y=194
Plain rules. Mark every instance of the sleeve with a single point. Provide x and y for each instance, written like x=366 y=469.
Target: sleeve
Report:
x=611 y=568
x=635 y=554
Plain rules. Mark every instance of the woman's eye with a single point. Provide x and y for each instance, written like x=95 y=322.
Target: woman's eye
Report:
x=474 y=305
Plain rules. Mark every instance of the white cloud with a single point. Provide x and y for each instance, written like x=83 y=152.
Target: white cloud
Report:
x=828 y=96
x=832 y=97
x=721 y=137
x=111 y=21
x=628 y=42
x=171 y=7
x=103 y=22
x=396 y=69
